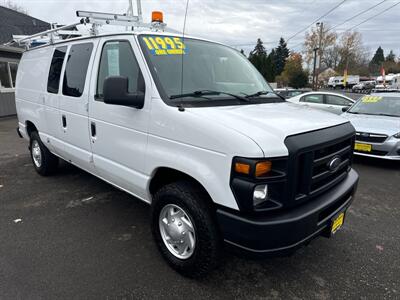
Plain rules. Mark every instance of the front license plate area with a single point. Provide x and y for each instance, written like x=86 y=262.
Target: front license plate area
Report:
x=363 y=147
x=337 y=222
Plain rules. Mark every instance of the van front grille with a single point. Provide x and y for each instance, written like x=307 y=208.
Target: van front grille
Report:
x=318 y=161
x=325 y=176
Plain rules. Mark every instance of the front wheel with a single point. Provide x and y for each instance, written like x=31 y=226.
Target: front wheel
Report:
x=185 y=230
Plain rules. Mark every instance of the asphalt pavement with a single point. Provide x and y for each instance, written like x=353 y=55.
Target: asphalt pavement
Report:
x=73 y=236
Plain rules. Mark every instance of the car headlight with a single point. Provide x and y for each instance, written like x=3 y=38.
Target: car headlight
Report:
x=397 y=135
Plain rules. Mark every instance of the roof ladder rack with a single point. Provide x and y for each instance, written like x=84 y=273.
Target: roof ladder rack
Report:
x=50 y=34
x=98 y=19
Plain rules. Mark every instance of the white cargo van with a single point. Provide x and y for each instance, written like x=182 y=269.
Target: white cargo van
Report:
x=190 y=127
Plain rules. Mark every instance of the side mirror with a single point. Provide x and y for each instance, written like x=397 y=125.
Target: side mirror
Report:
x=115 y=91
x=346 y=108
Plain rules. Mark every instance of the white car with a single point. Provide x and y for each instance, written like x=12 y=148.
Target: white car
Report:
x=215 y=152
x=331 y=102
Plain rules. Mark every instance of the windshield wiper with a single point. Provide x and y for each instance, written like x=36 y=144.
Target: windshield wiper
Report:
x=202 y=93
x=259 y=93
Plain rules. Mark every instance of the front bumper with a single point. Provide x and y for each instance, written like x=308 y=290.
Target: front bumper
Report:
x=282 y=233
x=389 y=150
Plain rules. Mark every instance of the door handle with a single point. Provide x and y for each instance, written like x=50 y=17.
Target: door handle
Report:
x=64 y=121
x=93 y=130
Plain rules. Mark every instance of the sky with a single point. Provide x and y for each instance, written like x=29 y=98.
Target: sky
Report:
x=239 y=23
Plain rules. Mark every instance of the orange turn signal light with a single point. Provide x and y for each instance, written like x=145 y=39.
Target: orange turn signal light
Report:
x=263 y=168
x=157 y=16
x=242 y=168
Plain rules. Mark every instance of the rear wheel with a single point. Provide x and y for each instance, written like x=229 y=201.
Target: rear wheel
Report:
x=43 y=160
x=185 y=230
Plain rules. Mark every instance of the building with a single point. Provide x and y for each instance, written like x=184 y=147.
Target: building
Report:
x=13 y=23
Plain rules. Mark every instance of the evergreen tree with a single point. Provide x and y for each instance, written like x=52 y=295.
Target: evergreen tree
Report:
x=391 y=56
x=242 y=51
x=263 y=63
x=377 y=61
x=379 y=57
x=280 y=55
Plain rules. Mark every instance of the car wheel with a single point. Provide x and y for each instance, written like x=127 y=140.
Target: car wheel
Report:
x=185 y=230
x=43 y=160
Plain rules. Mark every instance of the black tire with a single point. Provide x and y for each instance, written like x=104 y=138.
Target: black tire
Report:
x=49 y=162
x=194 y=201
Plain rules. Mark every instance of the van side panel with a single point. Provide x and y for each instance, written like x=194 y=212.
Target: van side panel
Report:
x=31 y=88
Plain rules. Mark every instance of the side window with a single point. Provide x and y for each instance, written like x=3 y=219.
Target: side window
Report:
x=336 y=100
x=313 y=99
x=76 y=69
x=53 y=81
x=117 y=59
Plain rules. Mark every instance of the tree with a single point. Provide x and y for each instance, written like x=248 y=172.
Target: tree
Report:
x=352 y=52
x=331 y=57
x=391 y=57
x=293 y=73
x=377 y=61
x=379 y=56
x=9 y=4
x=242 y=51
x=263 y=63
x=328 y=40
x=279 y=56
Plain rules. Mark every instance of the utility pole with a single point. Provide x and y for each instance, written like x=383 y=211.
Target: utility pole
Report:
x=321 y=32
x=315 y=64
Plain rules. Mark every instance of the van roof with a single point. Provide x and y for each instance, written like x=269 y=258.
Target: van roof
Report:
x=118 y=33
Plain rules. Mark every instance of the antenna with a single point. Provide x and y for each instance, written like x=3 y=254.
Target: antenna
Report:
x=183 y=40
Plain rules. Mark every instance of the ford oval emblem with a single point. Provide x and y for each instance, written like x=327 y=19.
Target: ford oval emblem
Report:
x=334 y=163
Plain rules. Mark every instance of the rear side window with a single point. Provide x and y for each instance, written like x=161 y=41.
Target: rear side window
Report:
x=53 y=81
x=118 y=59
x=76 y=69
x=313 y=99
x=336 y=100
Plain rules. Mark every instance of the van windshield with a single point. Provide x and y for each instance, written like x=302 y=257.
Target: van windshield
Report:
x=211 y=72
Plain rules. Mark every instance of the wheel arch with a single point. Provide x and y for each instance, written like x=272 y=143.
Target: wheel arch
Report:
x=30 y=127
x=165 y=175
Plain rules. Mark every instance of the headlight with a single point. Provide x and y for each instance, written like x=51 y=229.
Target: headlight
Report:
x=397 y=136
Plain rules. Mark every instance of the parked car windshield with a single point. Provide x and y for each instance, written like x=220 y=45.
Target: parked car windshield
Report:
x=192 y=70
x=377 y=105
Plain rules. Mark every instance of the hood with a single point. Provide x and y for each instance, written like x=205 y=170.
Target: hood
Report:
x=374 y=124
x=269 y=124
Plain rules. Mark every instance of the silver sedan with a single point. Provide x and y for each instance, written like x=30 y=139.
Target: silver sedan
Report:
x=376 y=118
x=327 y=101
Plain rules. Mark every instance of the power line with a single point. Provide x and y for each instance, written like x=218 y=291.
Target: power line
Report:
x=297 y=33
x=356 y=15
x=324 y=15
x=374 y=16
